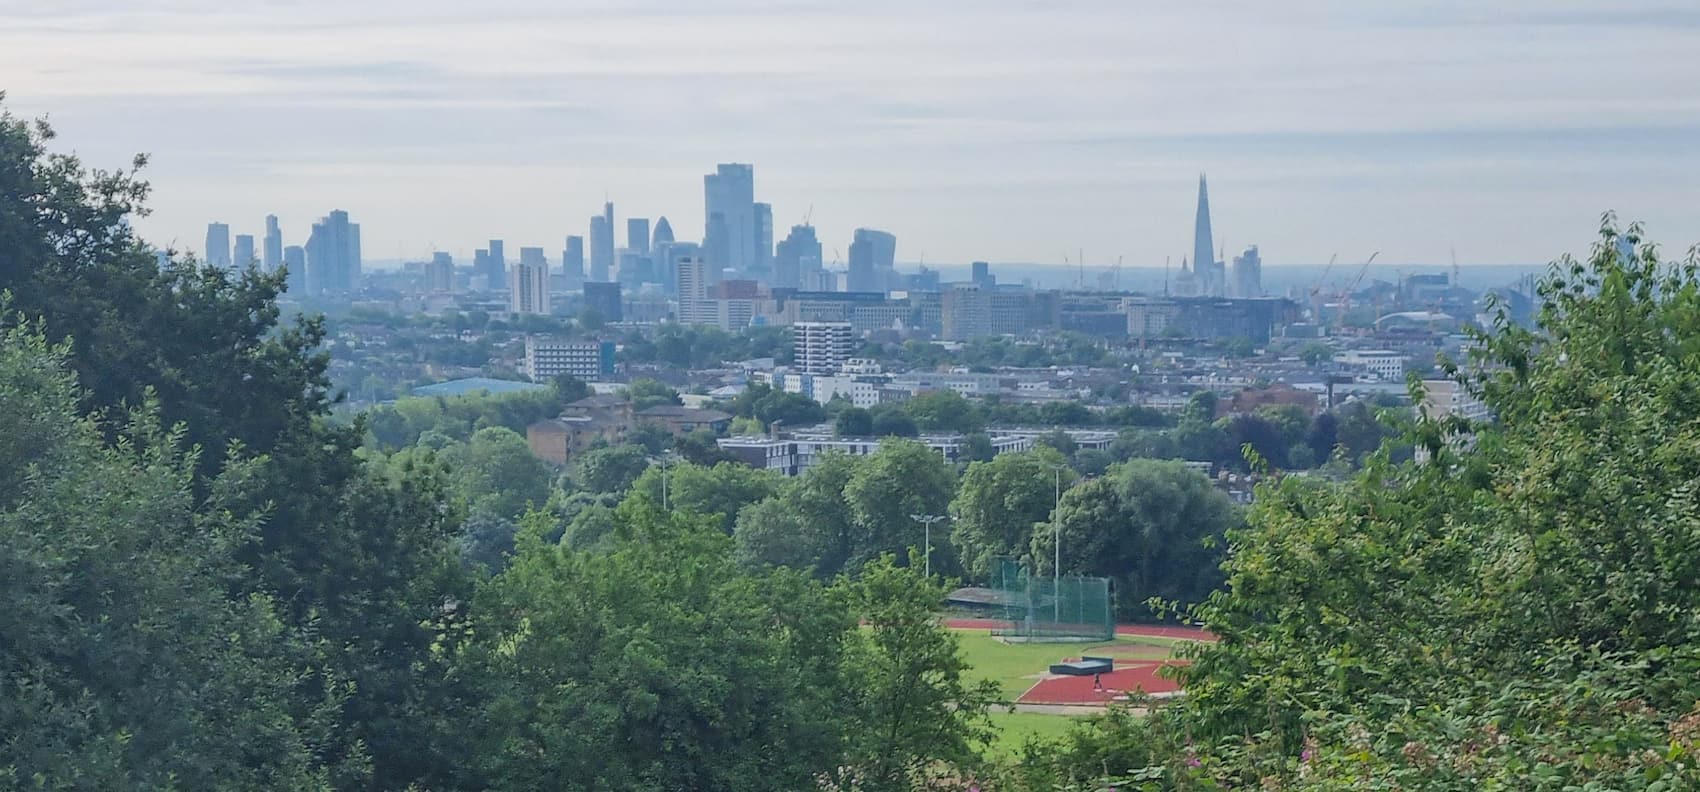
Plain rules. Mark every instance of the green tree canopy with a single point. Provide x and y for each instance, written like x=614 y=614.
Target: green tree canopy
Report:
x=998 y=503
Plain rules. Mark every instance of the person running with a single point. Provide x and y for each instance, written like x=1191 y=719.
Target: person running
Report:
x=1098 y=681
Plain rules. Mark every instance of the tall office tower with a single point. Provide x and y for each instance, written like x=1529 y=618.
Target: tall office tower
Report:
x=637 y=235
x=982 y=274
x=729 y=204
x=243 y=258
x=1248 y=274
x=333 y=254
x=605 y=300
x=528 y=283
x=272 y=256
x=572 y=260
x=663 y=231
x=821 y=347
x=496 y=265
x=797 y=253
x=764 y=239
x=218 y=245
x=601 y=248
x=440 y=273
x=1203 y=250
x=295 y=263
x=872 y=254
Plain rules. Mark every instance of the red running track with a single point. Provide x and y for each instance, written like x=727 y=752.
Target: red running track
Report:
x=1147 y=630
x=1133 y=677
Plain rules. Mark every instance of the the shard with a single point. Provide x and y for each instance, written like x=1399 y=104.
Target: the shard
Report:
x=1204 y=264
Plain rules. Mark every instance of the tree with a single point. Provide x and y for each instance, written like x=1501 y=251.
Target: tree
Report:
x=647 y=393
x=1316 y=353
x=997 y=505
x=854 y=422
x=497 y=475
x=1154 y=527
x=353 y=561
x=893 y=422
x=568 y=388
x=914 y=709
x=656 y=665
x=611 y=469
x=943 y=411
x=811 y=527
x=902 y=478
x=127 y=664
x=718 y=492
x=652 y=436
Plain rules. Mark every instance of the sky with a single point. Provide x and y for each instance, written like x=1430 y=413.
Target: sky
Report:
x=1003 y=130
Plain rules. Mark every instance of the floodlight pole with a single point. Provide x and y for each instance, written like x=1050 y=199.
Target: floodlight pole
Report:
x=1056 y=545
x=926 y=521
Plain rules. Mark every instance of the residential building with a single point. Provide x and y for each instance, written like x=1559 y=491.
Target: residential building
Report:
x=243 y=257
x=440 y=273
x=528 y=284
x=681 y=421
x=966 y=311
x=547 y=359
x=272 y=255
x=821 y=347
x=695 y=307
x=218 y=245
x=580 y=425
x=604 y=299
x=1384 y=364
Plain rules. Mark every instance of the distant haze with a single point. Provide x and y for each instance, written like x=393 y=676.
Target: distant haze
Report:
x=1004 y=130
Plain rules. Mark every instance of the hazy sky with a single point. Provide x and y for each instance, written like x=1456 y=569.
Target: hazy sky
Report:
x=972 y=129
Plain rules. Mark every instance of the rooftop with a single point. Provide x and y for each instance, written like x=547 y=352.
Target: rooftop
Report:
x=462 y=387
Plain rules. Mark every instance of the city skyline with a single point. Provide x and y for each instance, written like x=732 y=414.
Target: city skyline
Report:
x=1012 y=134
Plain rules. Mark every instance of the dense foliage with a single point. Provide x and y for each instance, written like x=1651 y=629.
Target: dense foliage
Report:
x=1519 y=612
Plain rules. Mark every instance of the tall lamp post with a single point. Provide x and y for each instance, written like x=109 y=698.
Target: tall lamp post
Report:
x=926 y=521
x=1056 y=542
x=666 y=504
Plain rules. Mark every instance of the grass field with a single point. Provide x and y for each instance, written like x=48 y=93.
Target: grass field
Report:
x=1014 y=729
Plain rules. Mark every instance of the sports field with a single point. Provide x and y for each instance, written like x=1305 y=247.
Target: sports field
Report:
x=1048 y=703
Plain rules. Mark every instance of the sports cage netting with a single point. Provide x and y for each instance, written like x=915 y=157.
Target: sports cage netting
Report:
x=1042 y=609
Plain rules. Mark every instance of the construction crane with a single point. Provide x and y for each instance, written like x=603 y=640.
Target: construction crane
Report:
x=1316 y=290
x=809 y=215
x=1346 y=293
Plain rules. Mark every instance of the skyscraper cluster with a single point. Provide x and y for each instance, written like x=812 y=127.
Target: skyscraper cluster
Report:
x=329 y=262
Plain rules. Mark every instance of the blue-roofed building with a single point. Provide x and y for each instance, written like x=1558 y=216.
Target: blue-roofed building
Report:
x=462 y=387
